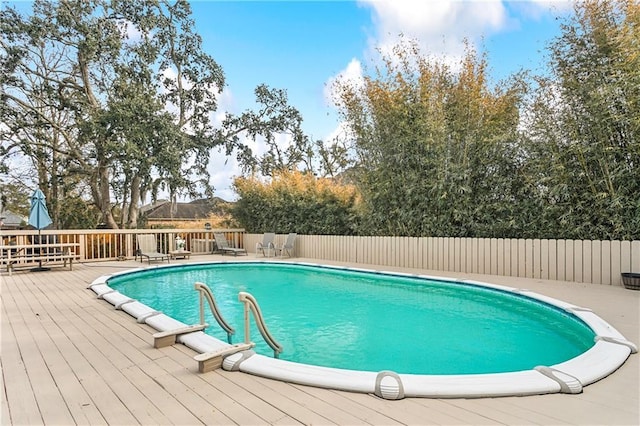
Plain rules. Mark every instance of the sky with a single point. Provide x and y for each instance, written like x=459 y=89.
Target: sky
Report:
x=302 y=46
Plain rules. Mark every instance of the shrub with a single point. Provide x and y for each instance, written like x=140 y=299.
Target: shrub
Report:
x=297 y=202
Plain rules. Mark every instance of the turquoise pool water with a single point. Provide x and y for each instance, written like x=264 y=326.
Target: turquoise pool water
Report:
x=368 y=321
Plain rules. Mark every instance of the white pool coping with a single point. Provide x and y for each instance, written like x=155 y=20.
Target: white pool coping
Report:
x=610 y=351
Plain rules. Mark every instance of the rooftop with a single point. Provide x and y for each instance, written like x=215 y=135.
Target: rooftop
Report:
x=164 y=210
x=10 y=220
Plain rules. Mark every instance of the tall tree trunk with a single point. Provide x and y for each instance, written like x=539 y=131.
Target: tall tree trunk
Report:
x=105 y=198
x=55 y=184
x=124 y=214
x=133 y=205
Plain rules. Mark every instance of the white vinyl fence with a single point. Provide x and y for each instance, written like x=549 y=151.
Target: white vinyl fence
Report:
x=597 y=262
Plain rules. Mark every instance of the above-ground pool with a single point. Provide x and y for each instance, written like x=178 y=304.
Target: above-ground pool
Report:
x=393 y=335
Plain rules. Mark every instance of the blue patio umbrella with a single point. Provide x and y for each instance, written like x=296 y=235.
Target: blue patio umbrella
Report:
x=39 y=216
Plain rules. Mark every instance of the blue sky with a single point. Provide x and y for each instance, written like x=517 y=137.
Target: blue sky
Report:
x=301 y=46
x=296 y=46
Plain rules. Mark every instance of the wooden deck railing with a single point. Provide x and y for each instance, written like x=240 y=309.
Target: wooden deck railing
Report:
x=108 y=244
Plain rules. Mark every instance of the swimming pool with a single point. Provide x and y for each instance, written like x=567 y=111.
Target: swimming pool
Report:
x=427 y=355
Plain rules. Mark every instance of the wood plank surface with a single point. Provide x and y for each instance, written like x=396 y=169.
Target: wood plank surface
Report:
x=70 y=358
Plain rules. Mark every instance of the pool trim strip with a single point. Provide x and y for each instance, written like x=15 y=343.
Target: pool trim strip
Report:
x=609 y=352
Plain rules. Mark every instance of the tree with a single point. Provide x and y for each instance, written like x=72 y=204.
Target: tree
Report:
x=287 y=148
x=275 y=120
x=119 y=94
x=436 y=147
x=61 y=63
x=33 y=120
x=14 y=196
x=585 y=127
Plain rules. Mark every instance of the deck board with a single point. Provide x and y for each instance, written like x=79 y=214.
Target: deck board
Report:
x=53 y=344
x=402 y=411
x=500 y=412
x=69 y=358
x=285 y=401
x=234 y=401
x=38 y=359
x=19 y=394
x=327 y=410
x=337 y=399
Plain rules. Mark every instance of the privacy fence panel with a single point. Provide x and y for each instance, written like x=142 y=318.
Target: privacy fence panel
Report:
x=597 y=262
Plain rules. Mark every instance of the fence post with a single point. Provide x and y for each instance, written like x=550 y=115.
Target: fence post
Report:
x=83 y=246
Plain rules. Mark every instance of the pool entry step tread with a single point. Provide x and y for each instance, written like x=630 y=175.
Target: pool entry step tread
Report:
x=168 y=337
x=210 y=361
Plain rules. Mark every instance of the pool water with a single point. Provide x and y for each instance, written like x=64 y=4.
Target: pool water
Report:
x=368 y=321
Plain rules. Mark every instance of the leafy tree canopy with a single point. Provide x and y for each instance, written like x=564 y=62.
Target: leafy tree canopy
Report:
x=119 y=95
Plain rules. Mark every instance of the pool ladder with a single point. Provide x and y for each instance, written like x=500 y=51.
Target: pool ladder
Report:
x=250 y=305
x=206 y=293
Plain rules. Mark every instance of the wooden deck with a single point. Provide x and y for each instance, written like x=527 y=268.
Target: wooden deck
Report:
x=69 y=358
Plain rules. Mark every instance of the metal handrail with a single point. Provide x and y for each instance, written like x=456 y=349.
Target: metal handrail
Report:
x=250 y=303
x=205 y=292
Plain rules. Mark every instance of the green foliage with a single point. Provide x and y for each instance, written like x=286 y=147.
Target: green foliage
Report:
x=434 y=149
x=83 y=99
x=441 y=153
x=278 y=126
x=296 y=202
x=76 y=213
x=120 y=94
x=14 y=196
x=585 y=132
x=437 y=149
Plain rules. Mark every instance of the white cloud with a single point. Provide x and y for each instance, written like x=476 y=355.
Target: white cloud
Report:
x=340 y=132
x=352 y=75
x=223 y=170
x=226 y=103
x=130 y=31
x=537 y=8
x=439 y=26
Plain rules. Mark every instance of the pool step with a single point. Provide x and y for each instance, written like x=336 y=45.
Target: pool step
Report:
x=168 y=338
x=210 y=361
